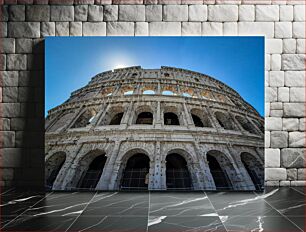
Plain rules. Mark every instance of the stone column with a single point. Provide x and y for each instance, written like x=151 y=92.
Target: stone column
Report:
x=187 y=116
x=99 y=115
x=213 y=119
x=127 y=115
x=157 y=170
x=103 y=112
x=104 y=181
x=158 y=122
x=75 y=117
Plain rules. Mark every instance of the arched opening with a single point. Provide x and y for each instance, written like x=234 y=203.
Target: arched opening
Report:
x=145 y=118
x=254 y=169
x=225 y=121
x=218 y=171
x=85 y=119
x=197 y=121
x=186 y=95
x=167 y=92
x=177 y=173
x=116 y=120
x=148 y=92
x=130 y=92
x=171 y=119
x=53 y=167
x=136 y=173
x=246 y=125
x=90 y=178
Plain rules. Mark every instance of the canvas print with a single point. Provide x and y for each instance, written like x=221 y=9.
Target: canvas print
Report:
x=154 y=113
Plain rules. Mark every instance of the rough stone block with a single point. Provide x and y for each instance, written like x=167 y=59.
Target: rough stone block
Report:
x=297 y=94
x=110 y=13
x=95 y=13
x=270 y=94
x=297 y=183
x=191 y=28
x=47 y=29
x=8 y=139
x=75 y=29
x=276 y=174
x=8 y=45
x=298 y=30
x=293 y=61
x=292 y=174
x=222 y=13
x=299 y=13
x=131 y=13
x=62 y=13
x=283 y=94
x=294 y=110
x=267 y=60
x=210 y=28
x=11 y=110
x=286 y=13
x=272 y=158
x=276 y=62
x=279 y=139
x=197 y=13
x=267 y=139
x=294 y=78
x=293 y=157
x=283 y=30
x=2 y=62
x=246 y=13
x=273 y=123
x=120 y=28
x=9 y=94
x=289 y=45
x=165 y=28
x=230 y=28
x=16 y=62
x=284 y=183
x=80 y=13
x=9 y=78
x=267 y=13
x=24 y=29
x=277 y=79
x=302 y=125
x=296 y=139
x=154 y=13
x=94 y=29
x=17 y=13
x=141 y=29
x=24 y=45
x=256 y=28
x=301 y=175
x=300 y=47
x=38 y=13
x=273 y=46
x=290 y=124
x=62 y=28
x=175 y=13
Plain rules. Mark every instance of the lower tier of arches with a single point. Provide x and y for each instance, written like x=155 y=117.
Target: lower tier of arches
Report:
x=124 y=165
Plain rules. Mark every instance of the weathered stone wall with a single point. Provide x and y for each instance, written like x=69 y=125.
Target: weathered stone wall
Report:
x=24 y=25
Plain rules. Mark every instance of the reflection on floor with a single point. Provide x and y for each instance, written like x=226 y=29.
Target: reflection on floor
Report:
x=273 y=210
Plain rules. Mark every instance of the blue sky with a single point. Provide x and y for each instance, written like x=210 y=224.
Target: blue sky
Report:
x=236 y=61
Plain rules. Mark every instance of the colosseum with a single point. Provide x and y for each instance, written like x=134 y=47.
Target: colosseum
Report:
x=154 y=129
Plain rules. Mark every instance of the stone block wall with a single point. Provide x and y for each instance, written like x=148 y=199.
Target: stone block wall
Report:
x=24 y=24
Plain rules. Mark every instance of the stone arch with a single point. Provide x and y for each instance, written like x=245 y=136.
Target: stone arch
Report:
x=62 y=120
x=200 y=118
x=113 y=116
x=189 y=165
x=53 y=165
x=254 y=168
x=143 y=115
x=246 y=125
x=82 y=166
x=225 y=121
x=85 y=118
x=172 y=116
x=124 y=162
x=222 y=170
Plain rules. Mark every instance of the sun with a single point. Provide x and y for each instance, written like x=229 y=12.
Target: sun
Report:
x=120 y=66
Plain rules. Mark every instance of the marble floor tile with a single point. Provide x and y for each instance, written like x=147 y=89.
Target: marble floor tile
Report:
x=180 y=204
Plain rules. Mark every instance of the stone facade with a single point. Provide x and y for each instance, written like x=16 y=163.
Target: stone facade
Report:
x=155 y=112
x=24 y=24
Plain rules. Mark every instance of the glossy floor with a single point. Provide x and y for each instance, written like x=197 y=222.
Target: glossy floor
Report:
x=276 y=209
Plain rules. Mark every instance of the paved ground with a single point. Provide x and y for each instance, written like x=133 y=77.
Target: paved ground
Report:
x=274 y=210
